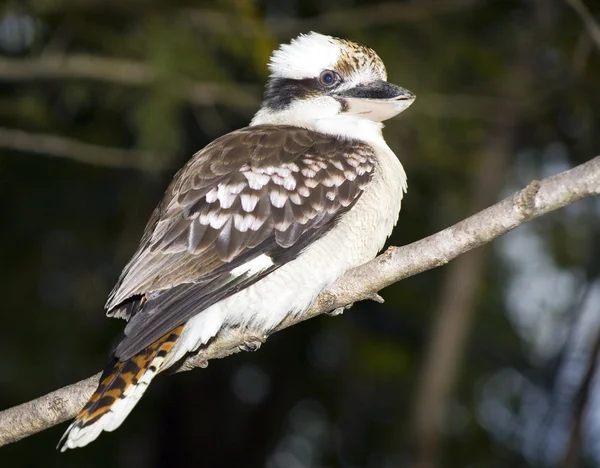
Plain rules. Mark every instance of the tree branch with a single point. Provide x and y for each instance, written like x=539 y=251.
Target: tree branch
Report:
x=593 y=28
x=76 y=150
x=397 y=263
x=125 y=72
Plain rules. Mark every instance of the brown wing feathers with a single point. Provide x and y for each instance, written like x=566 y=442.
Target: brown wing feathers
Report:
x=257 y=190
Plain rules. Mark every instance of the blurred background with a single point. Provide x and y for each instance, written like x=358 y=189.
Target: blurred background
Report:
x=489 y=361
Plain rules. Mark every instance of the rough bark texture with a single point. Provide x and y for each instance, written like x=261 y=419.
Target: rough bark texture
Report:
x=397 y=263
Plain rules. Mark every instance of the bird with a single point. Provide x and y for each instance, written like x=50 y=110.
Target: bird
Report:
x=260 y=221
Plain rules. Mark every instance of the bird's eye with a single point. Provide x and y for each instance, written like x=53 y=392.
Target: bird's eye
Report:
x=328 y=78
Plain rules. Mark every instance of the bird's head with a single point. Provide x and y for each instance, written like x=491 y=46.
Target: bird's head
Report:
x=331 y=85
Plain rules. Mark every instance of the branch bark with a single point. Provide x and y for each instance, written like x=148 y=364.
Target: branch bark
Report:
x=125 y=72
x=69 y=148
x=592 y=27
x=397 y=263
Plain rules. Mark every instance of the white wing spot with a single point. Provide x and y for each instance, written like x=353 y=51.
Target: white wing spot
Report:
x=218 y=221
x=211 y=196
x=277 y=198
x=311 y=183
x=295 y=198
x=350 y=175
x=283 y=171
x=226 y=196
x=289 y=183
x=256 y=181
x=256 y=265
x=249 y=201
x=308 y=172
x=303 y=191
x=243 y=222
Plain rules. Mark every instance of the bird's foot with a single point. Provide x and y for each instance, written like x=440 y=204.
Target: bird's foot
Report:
x=252 y=345
x=191 y=362
x=339 y=310
x=199 y=362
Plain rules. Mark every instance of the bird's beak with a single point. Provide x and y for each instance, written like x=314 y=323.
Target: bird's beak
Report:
x=377 y=101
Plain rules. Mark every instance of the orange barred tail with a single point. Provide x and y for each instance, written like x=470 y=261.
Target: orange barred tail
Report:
x=121 y=386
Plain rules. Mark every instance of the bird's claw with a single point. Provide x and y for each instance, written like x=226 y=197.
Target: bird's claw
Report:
x=194 y=362
x=339 y=310
x=250 y=346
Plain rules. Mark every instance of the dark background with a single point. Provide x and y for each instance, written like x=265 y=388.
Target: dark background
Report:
x=480 y=363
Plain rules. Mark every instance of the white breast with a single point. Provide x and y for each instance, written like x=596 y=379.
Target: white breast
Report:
x=357 y=238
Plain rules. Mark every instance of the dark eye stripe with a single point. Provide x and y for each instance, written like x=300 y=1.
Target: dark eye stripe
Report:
x=281 y=92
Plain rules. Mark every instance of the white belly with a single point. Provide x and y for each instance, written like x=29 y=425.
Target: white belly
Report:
x=291 y=289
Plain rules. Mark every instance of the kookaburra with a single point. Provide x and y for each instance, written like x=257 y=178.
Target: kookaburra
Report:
x=260 y=221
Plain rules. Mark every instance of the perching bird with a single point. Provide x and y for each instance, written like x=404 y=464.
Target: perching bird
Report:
x=260 y=221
